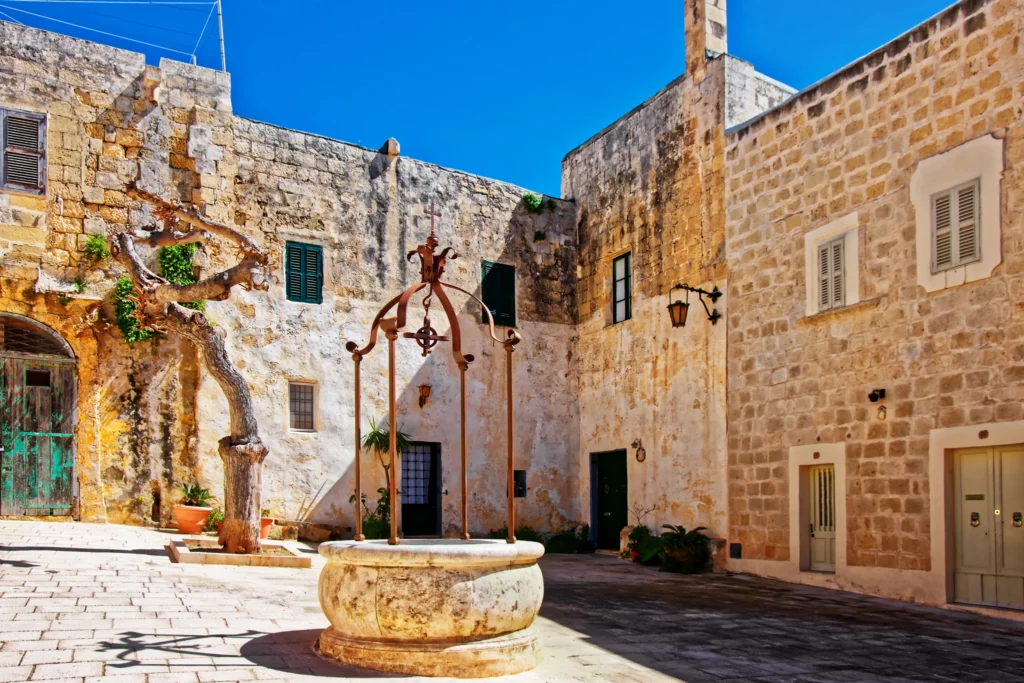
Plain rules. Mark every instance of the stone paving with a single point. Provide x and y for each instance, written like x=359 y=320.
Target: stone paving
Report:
x=85 y=602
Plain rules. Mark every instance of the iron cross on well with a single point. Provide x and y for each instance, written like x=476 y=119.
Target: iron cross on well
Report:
x=433 y=214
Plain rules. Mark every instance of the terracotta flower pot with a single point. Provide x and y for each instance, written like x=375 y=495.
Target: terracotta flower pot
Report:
x=634 y=556
x=191 y=519
x=265 y=524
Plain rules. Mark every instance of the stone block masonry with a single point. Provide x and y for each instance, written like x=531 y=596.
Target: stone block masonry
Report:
x=849 y=145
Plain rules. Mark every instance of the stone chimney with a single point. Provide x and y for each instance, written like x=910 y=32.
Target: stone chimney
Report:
x=705 y=32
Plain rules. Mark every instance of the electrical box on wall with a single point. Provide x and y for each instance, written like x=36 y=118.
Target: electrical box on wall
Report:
x=736 y=551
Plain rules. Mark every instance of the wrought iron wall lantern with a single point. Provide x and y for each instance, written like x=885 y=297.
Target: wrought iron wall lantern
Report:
x=677 y=310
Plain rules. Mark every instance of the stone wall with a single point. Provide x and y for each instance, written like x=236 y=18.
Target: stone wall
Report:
x=850 y=145
x=149 y=417
x=650 y=184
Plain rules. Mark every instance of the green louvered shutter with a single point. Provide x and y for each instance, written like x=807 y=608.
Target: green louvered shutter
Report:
x=499 y=292
x=304 y=272
x=23 y=158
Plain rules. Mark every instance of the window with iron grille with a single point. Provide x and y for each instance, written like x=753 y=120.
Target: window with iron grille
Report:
x=302 y=408
x=955 y=221
x=498 y=290
x=622 y=288
x=23 y=162
x=417 y=473
x=304 y=272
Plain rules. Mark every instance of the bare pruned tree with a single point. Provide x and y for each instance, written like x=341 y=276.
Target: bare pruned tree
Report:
x=159 y=308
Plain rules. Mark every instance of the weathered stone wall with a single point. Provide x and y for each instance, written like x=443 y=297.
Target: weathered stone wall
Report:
x=652 y=184
x=748 y=93
x=366 y=210
x=949 y=358
x=148 y=417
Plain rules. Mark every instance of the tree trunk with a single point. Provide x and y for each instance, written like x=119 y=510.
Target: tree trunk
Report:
x=243 y=484
x=242 y=452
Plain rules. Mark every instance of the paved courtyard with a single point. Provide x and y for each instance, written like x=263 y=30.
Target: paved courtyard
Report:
x=85 y=602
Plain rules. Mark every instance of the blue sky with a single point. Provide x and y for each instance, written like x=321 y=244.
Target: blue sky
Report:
x=499 y=89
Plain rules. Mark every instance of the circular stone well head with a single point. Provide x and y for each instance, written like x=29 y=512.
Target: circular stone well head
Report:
x=432 y=607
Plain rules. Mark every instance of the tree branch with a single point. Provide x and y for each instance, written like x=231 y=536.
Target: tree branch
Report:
x=165 y=209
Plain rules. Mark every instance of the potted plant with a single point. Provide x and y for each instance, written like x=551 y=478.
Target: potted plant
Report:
x=266 y=521
x=191 y=514
x=638 y=535
x=682 y=551
x=215 y=521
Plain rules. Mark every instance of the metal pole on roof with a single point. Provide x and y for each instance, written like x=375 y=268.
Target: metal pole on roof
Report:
x=220 y=24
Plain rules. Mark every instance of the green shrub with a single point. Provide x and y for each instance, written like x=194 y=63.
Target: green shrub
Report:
x=376 y=523
x=96 y=249
x=682 y=551
x=125 y=309
x=534 y=203
x=176 y=267
x=571 y=541
x=217 y=515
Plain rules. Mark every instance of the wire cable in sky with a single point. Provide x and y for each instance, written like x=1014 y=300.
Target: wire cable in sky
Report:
x=202 y=33
x=115 y=2
x=96 y=30
x=4 y=14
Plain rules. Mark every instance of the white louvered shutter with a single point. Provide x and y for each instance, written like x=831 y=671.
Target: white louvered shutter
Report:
x=942 y=231
x=824 y=281
x=967 y=223
x=838 y=273
x=831 y=275
x=956 y=238
x=24 y=151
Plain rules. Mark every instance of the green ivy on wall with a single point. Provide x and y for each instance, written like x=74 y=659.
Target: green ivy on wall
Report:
x=124 y=311
x=176 y=267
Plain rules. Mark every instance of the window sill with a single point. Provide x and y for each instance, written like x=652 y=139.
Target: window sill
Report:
x=301 y=431
x=26 y=193
x=833 y=312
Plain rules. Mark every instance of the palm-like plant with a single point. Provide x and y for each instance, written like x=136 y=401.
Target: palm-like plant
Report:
x=378 y=440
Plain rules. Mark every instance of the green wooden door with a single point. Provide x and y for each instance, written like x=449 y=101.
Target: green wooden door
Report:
x=37 y=436
x=608 y=477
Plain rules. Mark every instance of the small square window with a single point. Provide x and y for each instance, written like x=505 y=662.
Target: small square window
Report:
x=622 y=288
x=37 y=378
x=302 y=406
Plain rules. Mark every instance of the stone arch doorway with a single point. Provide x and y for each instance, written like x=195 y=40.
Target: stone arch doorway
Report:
x=38 y=399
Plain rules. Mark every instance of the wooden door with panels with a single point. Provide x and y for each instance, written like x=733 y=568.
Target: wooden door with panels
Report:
x=989 y=526
x=821 y=522
x=37 y=420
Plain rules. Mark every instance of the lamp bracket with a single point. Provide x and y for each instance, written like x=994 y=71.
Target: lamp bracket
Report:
x=713 y=315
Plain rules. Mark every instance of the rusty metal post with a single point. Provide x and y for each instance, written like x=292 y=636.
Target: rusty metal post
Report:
x=392 y=335
x=465 y=477
x=511 y=446
x=359 y=479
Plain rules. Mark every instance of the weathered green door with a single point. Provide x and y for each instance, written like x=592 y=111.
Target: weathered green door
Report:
x=37 y=418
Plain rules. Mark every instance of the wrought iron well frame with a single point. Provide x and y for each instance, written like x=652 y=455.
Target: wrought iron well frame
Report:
x=432 y=267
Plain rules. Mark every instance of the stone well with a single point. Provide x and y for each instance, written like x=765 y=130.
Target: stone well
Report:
x=432 y=607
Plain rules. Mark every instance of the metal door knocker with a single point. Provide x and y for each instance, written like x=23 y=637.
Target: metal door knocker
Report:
x=1018 y=519
x=975 y=519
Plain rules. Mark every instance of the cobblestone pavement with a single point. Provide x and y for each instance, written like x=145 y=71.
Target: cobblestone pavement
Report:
x=83 y=602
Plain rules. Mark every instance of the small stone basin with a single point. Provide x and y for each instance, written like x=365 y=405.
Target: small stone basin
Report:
x=443 y=607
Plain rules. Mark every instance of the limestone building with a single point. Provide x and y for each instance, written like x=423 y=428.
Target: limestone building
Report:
x=853 y=419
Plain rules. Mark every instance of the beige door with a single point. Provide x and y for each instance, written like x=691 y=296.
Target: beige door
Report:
x=989 y=510
x=821 y=505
